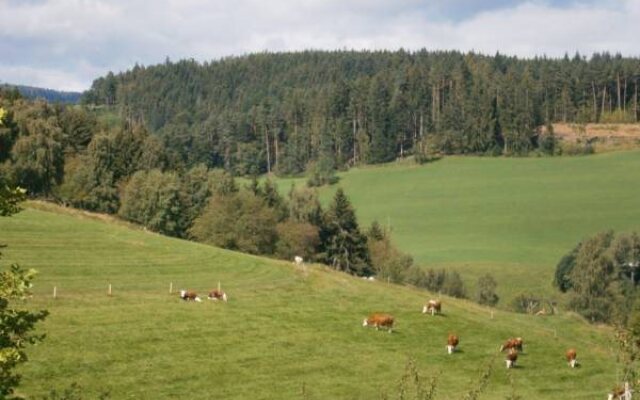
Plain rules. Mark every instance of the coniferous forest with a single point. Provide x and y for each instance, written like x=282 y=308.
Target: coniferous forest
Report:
x=288 y=112
x=160 y=145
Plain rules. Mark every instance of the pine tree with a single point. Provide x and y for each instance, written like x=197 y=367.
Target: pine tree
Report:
x=345 y=246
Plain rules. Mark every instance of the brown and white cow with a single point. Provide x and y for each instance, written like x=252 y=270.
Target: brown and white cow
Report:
x=512 y=357
x=572 y=355
x=433 y=306
x=378 y=320
x=452 y=343
x=189 y=296
x=512 y=343
x=217 y=295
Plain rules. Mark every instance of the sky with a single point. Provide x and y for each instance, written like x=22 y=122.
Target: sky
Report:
x=66 y=44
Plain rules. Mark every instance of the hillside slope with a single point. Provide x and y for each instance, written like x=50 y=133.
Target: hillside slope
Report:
x=279 y=332
x=512 y=217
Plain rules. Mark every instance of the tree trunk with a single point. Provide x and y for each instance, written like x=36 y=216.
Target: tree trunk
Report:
x=624 y=96
x=635 y=102
x=619 y=92
x=355 y=141
x=604 y=98
x=266 y=142
x=275 y=154
x=595 y=102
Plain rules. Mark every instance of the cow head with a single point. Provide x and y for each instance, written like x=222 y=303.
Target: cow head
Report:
x=572 y=363
x=224 y=297
x=183 y=293
x=365 y=322
x=425 y=309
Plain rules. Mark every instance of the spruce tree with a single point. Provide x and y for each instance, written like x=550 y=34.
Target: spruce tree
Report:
x=345 y=246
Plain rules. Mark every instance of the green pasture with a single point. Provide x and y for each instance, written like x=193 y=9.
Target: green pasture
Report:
x=512 y=217
x=283 y=330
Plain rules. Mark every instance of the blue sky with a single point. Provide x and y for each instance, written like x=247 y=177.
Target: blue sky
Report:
x=65 y=44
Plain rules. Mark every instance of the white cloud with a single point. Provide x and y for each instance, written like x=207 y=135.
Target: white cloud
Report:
x=65 y=44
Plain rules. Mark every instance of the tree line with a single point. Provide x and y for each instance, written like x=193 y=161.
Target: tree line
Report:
x=81 y=158
x=285 y=112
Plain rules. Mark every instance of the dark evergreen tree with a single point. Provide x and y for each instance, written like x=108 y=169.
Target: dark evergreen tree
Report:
x=345 y=246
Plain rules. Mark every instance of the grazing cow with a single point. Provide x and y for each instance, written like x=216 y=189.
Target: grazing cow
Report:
x=512 y=357
x=433 y=306
x=379 y=320
x=298 y=260
x=452 y=343
x=512 y=343
x=571 y=357
x=217 y=295
x=189 y=296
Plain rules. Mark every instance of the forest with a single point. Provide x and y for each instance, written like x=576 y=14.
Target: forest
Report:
x=293 y=112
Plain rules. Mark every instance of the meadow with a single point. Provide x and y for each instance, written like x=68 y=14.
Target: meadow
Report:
x=512 y=217
x=283 y=334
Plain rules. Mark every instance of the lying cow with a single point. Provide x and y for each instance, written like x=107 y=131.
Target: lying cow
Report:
x=512 y=357
x=378 y=320
x=571 y=357
x=433 y=306
x=513 y=343
x=217 y=295
x=452 y=343
x=189 y=296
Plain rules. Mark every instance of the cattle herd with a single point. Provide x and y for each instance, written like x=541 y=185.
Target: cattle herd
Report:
x=513 y=346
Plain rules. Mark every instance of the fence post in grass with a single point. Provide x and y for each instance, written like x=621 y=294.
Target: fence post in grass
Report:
x=219 y=286
x=491 y=314
x=55 y=292
x=109 y=292
x=170 y=287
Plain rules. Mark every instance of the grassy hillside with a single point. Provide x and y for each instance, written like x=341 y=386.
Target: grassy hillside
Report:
x=513 y=217
x=279 y=331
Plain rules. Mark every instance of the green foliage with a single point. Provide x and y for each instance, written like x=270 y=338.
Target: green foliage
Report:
x=297 y=239
x=238 y=221
x=281 y=112
x=10 y=199
x=37 y=156
x=154 y=200
x=387 y=262
x=322 y=173
x=562 y=277
x=16 y=326
x=486 y=291
x=345 y=246
x=527 y=303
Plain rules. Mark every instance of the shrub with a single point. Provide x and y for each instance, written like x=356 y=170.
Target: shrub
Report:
x=487 y=291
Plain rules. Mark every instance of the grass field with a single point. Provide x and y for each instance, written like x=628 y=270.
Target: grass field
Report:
x=280 y=330
x=513 y=217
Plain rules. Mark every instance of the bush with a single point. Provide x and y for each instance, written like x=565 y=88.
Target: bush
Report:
x=527 y=303
x=297 y=239
x=321 y=173
x=487 y=291
x=238 y=221
x=577 y=149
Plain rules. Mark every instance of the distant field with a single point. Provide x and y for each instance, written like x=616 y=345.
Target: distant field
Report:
x=513 y=217
x=279 y=332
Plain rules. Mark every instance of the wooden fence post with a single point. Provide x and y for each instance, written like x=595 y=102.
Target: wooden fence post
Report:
x=55 y=292
x=170 y=287
x=109 y=292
